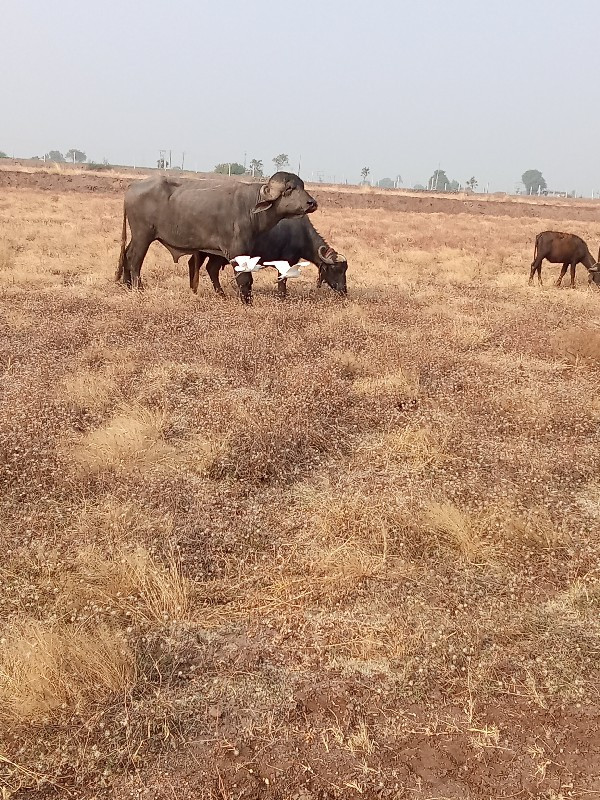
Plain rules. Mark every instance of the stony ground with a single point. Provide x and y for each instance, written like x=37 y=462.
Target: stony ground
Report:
x=312 y=549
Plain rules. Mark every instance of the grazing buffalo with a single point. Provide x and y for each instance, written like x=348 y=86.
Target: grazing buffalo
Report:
x=290 y=240
x=562 y=248
x=187 y=217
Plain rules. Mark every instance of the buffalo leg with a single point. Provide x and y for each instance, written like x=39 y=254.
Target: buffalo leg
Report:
x=244 y=281
x=126 y=276
x=536 y=266
x=134 y=257
x=282 y=288
x=194 y=270
x=573 y=265
x=563 y=272
x=213 y=267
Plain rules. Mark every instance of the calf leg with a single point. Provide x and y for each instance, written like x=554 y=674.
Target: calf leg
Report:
x=563 y=272
x=573 y=265
x=282 y=288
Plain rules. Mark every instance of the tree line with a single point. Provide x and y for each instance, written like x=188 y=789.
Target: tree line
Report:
x=255 y=168
x=532 y=179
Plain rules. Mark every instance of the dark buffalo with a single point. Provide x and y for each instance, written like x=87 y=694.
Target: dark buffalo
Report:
x=561 y=248
x=187 y=217
x=290 y=240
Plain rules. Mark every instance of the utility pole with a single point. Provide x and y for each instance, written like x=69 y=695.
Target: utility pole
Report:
x=299 y=161
x=182 y=160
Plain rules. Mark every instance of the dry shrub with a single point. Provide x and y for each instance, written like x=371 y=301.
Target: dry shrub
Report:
x=458 y=529
x=130 y=581
x=45 y=669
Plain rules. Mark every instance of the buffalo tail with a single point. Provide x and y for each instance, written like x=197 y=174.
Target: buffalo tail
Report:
x=535 y=249
x=121 y=267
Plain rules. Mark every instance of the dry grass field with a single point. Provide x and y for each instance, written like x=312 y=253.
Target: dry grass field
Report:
x=314 y=549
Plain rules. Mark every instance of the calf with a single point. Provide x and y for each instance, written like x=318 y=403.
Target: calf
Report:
x=561 y=248
x=291 y=240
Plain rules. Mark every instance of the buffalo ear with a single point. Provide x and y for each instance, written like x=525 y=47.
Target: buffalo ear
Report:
x=269 y=192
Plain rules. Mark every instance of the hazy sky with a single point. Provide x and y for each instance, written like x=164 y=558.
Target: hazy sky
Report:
x=481 y=87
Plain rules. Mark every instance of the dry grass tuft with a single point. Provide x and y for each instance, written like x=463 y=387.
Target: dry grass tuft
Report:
x=396 y=389
x=457 y=528
x=131 y=582
x=46 y=670
x=131 y=441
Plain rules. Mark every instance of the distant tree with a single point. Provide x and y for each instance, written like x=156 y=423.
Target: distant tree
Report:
x=3 y=154
x=438 y=181
x=385 y=183
x=365 y=173
x=230 y=168
x=162 y=163
x=55 y=155
x=76 y=156
x=533 y=181
x=472 y=183
x=419 y=187
x=453 y=186
x=256 y=168
x=281 y=161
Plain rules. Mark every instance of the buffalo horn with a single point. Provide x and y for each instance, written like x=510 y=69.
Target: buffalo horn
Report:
x=324 y=254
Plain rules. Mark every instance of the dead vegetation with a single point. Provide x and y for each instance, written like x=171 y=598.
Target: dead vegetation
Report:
x=318 y=548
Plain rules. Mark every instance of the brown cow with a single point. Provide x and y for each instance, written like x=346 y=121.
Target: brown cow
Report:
x=561 y=248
